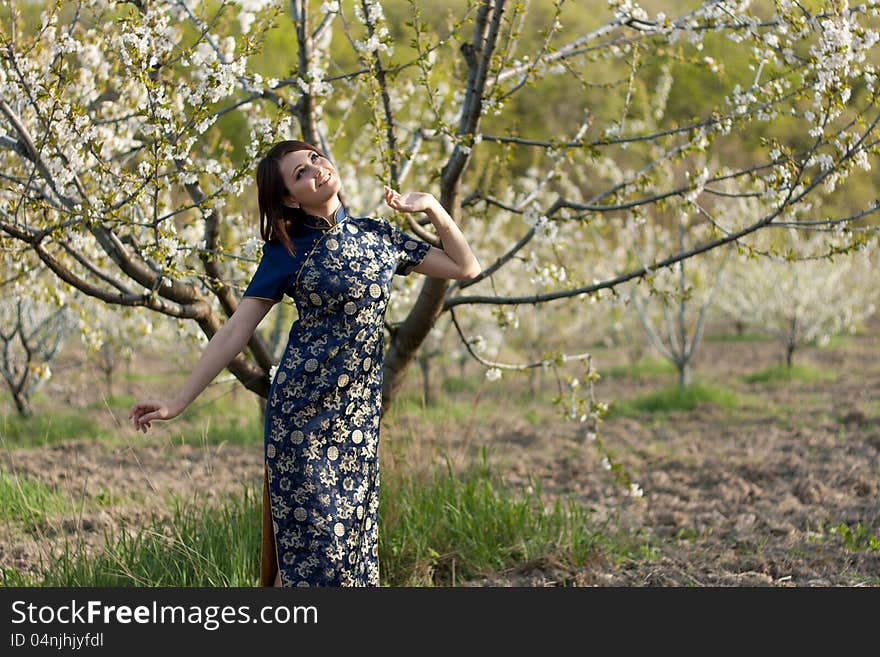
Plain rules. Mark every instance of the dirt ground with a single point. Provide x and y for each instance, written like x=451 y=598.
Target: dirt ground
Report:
x=732 y=497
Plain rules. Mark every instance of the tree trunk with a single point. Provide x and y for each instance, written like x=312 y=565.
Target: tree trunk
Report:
x=22 y=404
x=425 y=367
x=684 y=372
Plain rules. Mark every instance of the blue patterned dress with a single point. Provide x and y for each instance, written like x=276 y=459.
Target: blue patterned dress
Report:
x=324 y=405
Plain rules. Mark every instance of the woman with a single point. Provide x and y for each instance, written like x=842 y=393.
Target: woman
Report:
x=320 y=493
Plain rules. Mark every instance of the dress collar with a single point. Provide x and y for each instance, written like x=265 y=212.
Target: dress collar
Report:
x=320 y=223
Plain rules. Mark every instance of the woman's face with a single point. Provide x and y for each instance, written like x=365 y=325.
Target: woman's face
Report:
x=312 y=181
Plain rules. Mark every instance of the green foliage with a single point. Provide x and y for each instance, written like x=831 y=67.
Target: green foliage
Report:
x=858 y=538
x=785 y=374
x=675 y=398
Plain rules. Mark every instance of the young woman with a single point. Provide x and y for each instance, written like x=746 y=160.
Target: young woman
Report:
x=321 y=484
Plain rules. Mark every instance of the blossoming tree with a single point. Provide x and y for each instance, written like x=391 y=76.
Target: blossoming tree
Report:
x=804 y=301
x=30 y=337
x=130 y=133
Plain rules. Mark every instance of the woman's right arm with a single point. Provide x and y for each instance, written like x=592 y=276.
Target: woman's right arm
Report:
x=226 y=344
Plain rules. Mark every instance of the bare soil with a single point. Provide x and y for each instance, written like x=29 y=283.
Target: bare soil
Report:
x=747 y=496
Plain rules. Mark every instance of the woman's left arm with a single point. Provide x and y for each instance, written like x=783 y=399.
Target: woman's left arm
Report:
x=455 y=259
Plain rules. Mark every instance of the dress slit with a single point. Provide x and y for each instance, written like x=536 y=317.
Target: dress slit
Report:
x=268 y=553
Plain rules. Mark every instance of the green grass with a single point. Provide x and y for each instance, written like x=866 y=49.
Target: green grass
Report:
x=49 y=428
x=651 y=367
x=28 y=501
x=215 y=546
x=856 y=538
x=457 y=384
x=675 y=398
x=230 y=429
x=444 y=528
x=433 y=531
x=785 y=374
x=745 y=336
x=114 y=401
x=225 y=418
x=443 y=408
x=838 y=341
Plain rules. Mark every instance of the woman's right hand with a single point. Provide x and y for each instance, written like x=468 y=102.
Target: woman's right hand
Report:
x=144 y=412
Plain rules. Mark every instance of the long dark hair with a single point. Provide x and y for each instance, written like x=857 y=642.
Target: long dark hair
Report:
x=276 y=219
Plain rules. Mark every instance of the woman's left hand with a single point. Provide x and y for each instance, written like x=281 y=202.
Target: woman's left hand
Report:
x=410 y=202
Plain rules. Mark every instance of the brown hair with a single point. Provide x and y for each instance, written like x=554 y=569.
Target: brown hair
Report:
x=276 y=219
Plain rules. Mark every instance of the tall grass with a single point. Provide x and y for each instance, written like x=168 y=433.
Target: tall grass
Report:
x=435 y=530
x=215 y=546
x=443 y=528
x=28 y=501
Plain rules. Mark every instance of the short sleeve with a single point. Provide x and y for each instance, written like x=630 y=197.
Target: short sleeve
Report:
x=273 y=275
x=410 y=250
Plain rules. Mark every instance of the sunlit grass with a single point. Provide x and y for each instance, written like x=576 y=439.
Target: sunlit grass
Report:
x=443 y=528
x=676 y=398
x=785 y=374
x=48 y=428
x=28 y=501
x=213 y=546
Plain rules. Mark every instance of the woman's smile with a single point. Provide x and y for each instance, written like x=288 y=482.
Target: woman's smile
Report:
x=312 y=182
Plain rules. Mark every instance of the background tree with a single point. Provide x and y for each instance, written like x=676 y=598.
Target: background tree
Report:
x=805 y=301
x=30 y=337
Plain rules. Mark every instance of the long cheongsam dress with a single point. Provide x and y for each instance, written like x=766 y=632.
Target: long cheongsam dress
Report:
x=323 y=412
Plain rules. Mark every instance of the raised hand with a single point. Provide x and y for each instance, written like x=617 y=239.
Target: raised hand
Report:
x=409 y=202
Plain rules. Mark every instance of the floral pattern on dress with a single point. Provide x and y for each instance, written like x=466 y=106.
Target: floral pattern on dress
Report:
x=324 y=406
